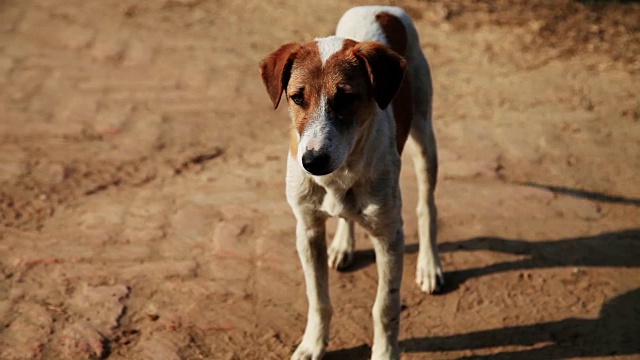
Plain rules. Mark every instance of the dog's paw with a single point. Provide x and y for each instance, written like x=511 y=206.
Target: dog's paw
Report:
x=340 y=257
x=306 y=352
x=429 y=277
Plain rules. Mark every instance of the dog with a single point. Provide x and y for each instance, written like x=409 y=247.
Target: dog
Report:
x=354 y=99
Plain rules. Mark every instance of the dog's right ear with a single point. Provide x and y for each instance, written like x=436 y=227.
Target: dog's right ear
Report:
x=276 y=70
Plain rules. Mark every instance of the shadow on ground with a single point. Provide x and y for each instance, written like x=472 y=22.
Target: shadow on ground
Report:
x=584 y=194
x=578 y=251
x=611 y=249
x=619 y=319
x=597 y=250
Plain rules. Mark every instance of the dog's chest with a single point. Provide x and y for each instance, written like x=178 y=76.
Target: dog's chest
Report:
x=339 y=203
x=353 y=204
x=344 y=194
x=341 y=195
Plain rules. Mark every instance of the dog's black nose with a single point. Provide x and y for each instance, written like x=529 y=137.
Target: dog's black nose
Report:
x=317 y=163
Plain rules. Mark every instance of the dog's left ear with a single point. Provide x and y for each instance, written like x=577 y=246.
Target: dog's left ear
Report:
x=386 y=70
x=276 y=70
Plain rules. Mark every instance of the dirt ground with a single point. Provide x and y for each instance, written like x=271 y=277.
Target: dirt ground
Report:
x=142 y=209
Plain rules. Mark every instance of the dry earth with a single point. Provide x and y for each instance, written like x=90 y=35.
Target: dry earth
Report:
x=142 y=210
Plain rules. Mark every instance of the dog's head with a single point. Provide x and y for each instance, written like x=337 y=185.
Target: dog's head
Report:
x=333 y=86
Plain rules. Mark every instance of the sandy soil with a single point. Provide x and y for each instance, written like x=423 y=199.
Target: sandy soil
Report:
x=142 y=210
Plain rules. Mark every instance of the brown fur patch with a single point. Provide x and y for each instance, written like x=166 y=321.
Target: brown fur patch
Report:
x=306 y=78
x=396 y=34
x=293 y=142
x=349 y=85
x=342 y=71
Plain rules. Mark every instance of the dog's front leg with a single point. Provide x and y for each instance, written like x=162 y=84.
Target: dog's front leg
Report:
x=312 y=250
x=389 y=249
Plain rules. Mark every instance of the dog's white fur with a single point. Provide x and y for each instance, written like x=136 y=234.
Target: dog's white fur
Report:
x=364 y=188
x=322 y=135
x=328 y=46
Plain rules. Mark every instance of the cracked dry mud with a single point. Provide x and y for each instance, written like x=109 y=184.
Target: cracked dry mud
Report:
x=142 y=209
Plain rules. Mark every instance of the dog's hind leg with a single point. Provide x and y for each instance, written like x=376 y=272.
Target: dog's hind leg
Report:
x=422 y=147
x=341 y=248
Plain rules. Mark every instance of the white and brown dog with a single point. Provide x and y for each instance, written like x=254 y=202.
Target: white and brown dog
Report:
x=354 y=99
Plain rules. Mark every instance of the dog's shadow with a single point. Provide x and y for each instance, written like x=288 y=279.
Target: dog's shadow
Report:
x=615 y=249
x=598 y=250
x=615 y=331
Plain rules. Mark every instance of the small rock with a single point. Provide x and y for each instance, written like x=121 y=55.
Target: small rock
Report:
x=161 y=346
x=108 y=49
x=101 y=306
x=151 y=311
x=82 y=341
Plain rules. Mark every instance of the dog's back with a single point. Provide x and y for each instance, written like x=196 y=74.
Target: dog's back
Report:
x=373 y=23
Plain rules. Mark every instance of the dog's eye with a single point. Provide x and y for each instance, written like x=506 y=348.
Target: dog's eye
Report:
x=297 y=98
x=345 y=99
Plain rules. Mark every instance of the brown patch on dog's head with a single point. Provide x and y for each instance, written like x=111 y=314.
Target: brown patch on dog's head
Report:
x=305 y=85
x=333 y=83
x=298 y=70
